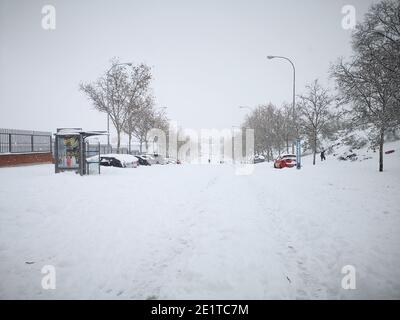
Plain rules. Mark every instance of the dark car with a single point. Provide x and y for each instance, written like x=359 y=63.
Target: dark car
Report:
x=110 y=162
x=143 y=161
x=259 y=158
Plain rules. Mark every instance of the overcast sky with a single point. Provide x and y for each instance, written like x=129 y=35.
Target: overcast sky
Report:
x=208 y=57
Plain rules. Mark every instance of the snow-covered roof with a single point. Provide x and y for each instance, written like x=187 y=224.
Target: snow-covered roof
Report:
x=78 y=131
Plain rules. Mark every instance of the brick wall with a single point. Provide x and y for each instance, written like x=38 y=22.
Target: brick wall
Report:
x=24 y=158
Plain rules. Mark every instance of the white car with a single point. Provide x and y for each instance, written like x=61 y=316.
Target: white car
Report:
x=148 y=157
x=117 y=160
x=170 y=161
x=259 y=158
x=153 y=158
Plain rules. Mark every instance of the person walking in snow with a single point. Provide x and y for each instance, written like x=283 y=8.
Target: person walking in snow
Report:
x=323 y=155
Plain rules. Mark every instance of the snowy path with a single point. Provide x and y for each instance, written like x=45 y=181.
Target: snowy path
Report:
x=201 y=232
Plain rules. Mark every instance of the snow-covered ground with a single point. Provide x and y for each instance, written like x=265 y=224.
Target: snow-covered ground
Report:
x=200 y=231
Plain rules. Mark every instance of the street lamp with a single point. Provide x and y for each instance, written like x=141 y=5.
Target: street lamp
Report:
x=294 y=87
x=245 y=107
x=108 y=114
x=251 y=110
x=233 y=143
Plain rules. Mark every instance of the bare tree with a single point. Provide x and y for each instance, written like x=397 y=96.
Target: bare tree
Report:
x=288 y=129
x=144 y=121
x=279 y=126
x=377 y=38
x=370 y=82
x=262 y=120
x=131 y=122
x=117 y=91
x=161 y=120
x=315 y=113
x=273 y=129
x=158 y=120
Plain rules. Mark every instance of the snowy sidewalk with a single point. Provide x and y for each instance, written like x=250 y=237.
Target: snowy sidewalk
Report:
x=200 y=231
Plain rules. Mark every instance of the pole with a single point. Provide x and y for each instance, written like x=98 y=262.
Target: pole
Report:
x=294 y=101
x=294 y=93
x=298 y=154
x=108 y=131
x=233 y=145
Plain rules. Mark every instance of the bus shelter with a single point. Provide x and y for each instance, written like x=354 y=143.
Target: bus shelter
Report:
x=72 y=152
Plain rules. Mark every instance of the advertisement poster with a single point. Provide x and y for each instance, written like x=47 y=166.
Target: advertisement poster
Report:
x=68 y=153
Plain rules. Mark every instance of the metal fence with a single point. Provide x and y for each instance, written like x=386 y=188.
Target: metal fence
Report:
x=24 y=141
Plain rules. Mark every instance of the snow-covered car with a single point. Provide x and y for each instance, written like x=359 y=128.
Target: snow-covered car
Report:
x=158 y=158
x=119 y=160
x=285 y=161
x=170 y=161
x=148 y=157
x=143 y=161
x=259 y=158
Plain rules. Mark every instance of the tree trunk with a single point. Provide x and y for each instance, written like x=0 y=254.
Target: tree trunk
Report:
x=287 y=144
x=381 y=142
x=130 y=142
x=314 y=148
x=118 y=140
x=140 y=145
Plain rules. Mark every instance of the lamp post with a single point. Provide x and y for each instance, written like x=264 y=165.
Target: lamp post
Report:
x=246 y=107
x=233 y=143
x=294 y=88
x=108 y=114
x=251 y=110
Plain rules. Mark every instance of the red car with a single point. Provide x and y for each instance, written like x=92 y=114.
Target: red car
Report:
x=285 y=161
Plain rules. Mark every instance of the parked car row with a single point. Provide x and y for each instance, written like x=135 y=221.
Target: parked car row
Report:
x=132 y=161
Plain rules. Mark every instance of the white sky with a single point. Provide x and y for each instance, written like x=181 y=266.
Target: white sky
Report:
x=208 y=56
